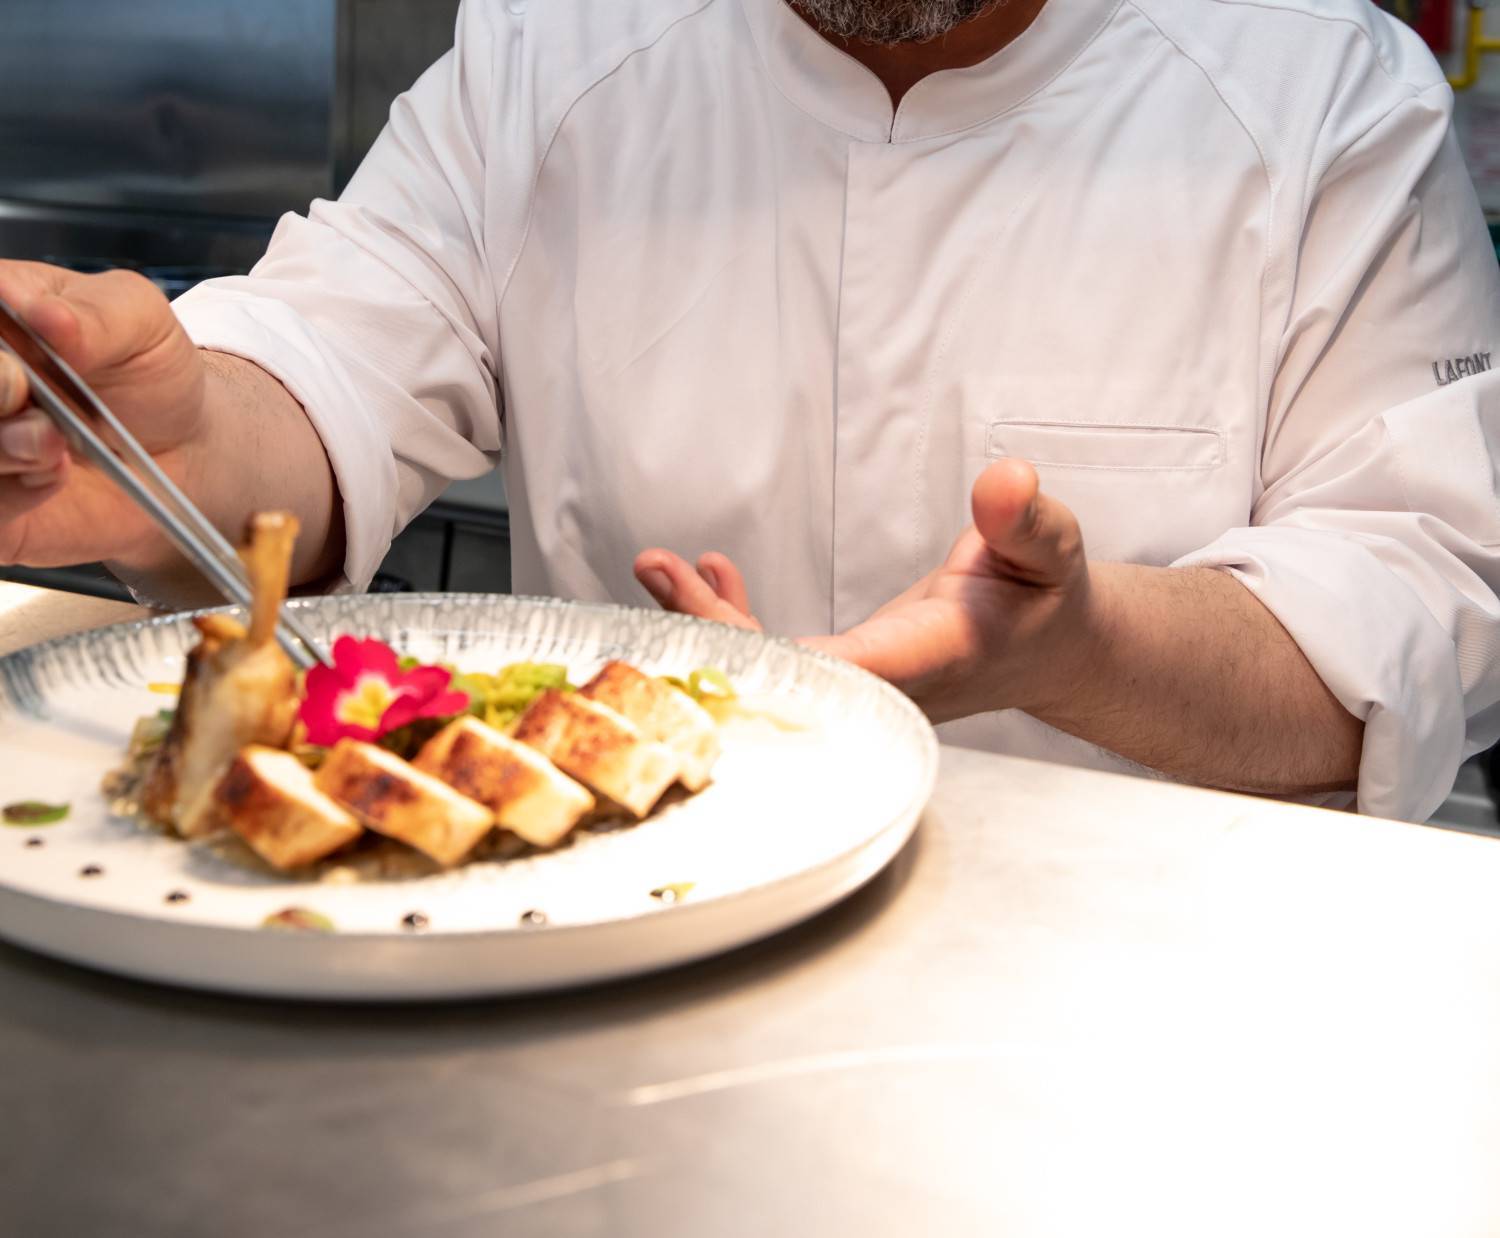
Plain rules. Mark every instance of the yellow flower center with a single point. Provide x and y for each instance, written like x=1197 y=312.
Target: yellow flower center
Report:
x=366 y=703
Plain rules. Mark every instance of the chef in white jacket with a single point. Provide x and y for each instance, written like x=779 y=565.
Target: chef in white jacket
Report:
x=805 y=305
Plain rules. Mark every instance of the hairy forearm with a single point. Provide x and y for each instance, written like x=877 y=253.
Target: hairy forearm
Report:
x=1187 y=673
x=257 y=452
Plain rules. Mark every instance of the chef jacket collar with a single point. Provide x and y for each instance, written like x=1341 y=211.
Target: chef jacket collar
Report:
x=832 y=86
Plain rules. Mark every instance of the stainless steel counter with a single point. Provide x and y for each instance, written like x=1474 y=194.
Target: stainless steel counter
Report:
x=1076 y=1005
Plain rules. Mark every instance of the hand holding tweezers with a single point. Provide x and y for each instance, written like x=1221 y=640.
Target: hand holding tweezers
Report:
x=97 y=434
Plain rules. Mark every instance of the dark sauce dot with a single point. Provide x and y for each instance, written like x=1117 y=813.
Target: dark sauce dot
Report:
x=533 y=917
x=178 y=896
x=91 y=870
x=415 y=921
x=36 y=842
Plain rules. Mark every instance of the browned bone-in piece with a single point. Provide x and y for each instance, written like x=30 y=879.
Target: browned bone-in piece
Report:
x=401 y=802
x=600 y=748
x=662 y=713
x=267 y=555
x=239 y=689
x=269 y=799
x=529 y=795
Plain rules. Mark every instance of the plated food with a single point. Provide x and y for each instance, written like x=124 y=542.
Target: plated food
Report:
x=371 y=748
x=819 y=778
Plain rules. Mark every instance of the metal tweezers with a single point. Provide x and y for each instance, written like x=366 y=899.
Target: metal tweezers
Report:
x=85 y=421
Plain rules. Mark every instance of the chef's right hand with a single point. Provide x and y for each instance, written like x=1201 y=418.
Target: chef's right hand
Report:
x=119 y=334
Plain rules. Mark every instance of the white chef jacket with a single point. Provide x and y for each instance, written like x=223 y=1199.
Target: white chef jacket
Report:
x=1213 y=266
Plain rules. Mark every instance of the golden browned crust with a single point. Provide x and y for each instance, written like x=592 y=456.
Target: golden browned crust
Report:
x=159 y=788
x=284 y=830
x=370 y=793
x=268 y=562
x=662 y=713
x=217 y=631
x=619 y=685
x=527 y=793
x=400 y=801
x=231 y=695
x=590 y=742
x=556 y=728
x=470 y=766
x=238 y=689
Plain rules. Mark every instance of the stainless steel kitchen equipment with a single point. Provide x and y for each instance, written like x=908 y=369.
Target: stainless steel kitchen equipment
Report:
x=163 y=132
x=173 y=133
x=168 y=136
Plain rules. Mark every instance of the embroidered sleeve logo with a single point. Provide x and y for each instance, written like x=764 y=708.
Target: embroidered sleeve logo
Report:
x=1450 y=371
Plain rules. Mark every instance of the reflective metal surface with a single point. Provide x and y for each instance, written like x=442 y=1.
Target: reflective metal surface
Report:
x=211 y=107
x=1078 y=1004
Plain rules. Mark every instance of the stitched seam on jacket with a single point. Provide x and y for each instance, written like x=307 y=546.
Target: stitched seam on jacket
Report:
x=1265 y=365
x=1139 y=433
x=541 y=163
x=1331 y=20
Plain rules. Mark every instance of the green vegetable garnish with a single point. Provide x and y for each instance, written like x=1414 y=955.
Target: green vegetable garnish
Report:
x=34 y=812
x=708 y=683
x=297 y=920
x=501 y=698
x=150 y=731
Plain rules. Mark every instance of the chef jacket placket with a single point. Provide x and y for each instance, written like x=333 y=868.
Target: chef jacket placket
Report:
x=852 y=386
x=874 y=423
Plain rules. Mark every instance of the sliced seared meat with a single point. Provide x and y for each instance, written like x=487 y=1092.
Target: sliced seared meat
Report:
x=269 y=799
x=527 y=793
x=395 y=799
x=600 y=748
x=662 y=713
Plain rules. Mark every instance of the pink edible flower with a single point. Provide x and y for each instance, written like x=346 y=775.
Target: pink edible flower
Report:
x=365 y=694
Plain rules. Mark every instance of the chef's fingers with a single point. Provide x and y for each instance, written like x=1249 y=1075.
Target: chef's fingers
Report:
x=13 y=390
x=19 y=499
x=96 y=321
x=1035 y=538
x=724 y=578
x=20 y=495
x=46 y=479
x=21 y=283
x=29 y=443
x=675 y=586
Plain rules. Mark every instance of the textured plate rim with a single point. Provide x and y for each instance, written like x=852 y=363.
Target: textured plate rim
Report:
x=905 y=817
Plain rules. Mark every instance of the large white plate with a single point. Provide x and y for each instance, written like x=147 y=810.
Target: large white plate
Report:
x=794 y=820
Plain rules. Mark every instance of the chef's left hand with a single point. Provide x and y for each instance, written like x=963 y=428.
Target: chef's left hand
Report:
x=1006 y=622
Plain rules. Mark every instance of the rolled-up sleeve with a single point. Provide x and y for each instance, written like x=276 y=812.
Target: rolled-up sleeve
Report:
x=378 y=312
x=1375 y=538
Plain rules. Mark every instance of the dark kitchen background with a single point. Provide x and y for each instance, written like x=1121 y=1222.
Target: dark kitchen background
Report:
x=169 y=135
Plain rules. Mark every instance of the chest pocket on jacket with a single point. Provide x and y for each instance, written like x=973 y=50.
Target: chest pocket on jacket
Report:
x=1082 y=445
x=1142 y=493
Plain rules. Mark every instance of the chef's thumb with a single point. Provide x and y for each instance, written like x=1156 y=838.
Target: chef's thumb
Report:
x=1035 y=538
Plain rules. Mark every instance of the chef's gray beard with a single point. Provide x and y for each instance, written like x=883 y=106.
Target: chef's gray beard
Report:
x=890 y=21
